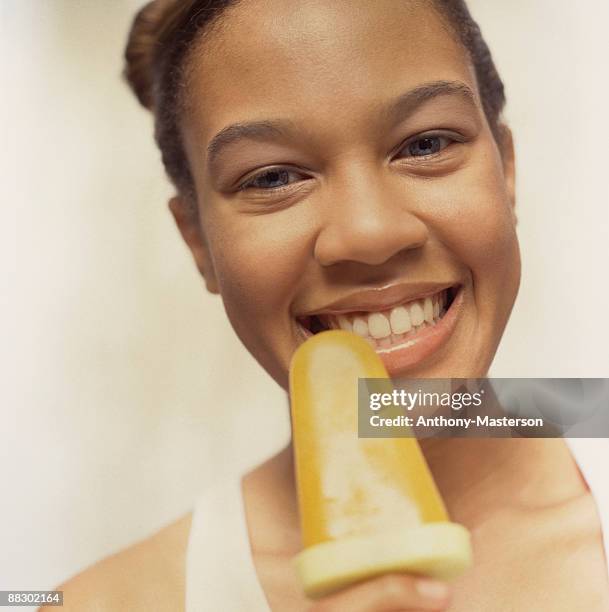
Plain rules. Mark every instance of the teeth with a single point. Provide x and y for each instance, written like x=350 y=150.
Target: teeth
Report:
x=378 y=325
x=416 y=314
x=389 y=328
x=400 y=320
x=344 y=323
x=428 y=310
x=360 y=327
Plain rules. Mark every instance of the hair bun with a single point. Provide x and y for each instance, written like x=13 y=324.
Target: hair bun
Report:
x=141 y=48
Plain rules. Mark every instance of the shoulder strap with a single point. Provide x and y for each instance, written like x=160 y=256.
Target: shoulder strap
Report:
x=220 y=572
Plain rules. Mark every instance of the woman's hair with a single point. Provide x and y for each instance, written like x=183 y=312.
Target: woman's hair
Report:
x=163 y=33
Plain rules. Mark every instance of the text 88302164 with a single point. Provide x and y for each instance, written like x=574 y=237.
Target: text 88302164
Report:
x=31 y=598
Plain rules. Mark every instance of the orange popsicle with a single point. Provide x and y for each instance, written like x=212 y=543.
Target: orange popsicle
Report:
x=368 y=506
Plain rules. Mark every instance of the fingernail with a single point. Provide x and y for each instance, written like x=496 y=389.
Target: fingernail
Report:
x=432 y=589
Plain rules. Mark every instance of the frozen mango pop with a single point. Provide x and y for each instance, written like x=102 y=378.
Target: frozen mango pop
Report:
x=368 y=506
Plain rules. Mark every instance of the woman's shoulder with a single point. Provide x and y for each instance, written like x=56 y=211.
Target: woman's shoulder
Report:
x=149 y=575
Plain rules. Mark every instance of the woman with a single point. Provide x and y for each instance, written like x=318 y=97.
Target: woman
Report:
x=337 y=162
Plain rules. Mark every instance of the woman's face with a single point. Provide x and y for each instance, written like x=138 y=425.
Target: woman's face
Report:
x=345 y=172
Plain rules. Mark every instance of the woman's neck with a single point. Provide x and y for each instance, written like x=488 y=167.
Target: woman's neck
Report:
x=479 y=475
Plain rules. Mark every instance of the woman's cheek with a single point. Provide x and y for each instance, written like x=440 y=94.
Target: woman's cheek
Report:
x=261 y=254
x=259 y=261
x=484 y=235
x=471 y=213
x=492 y=243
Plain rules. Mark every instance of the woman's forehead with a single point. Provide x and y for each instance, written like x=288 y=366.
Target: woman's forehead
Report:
x=292 y=59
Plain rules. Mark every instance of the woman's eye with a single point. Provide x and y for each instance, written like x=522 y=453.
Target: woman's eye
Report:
x=272 y=179
x=425 y=146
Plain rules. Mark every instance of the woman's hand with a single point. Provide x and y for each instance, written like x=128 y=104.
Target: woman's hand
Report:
x=388 y=593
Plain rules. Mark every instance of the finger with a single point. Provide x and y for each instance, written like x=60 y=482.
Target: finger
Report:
x=388 y=593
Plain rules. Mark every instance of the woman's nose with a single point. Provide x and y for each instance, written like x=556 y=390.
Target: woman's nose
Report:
x=368 y=223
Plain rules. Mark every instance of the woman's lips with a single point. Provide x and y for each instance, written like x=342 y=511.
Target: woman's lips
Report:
x=405 y=335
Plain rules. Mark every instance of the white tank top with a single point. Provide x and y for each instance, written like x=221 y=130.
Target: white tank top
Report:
x=220 y=572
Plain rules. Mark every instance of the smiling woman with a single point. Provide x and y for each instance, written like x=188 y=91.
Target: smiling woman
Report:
x=343 y=164
x=340 y=184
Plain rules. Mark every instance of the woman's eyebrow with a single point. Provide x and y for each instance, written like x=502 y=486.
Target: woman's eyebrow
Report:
x=407 y=103
x=252 y=130
x=403 y=106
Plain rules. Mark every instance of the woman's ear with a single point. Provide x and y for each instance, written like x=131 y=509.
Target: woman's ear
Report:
x=509 y=165
x=187 y=219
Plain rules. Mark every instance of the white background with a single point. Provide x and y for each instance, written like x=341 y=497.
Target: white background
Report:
x=123 y=389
